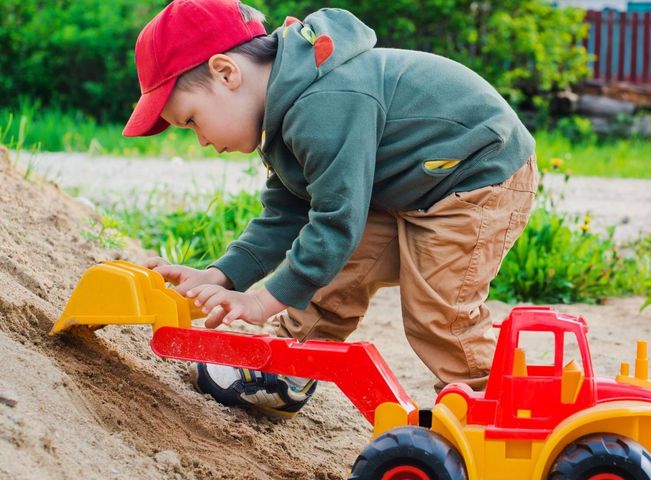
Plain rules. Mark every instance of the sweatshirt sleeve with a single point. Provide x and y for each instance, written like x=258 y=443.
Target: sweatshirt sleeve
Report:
x=266 y=239
x=334 y=136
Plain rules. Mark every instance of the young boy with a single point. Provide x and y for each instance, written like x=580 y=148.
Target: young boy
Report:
x=385 y=167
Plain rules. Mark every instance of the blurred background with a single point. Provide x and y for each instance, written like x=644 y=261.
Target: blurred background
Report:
x=581 y=66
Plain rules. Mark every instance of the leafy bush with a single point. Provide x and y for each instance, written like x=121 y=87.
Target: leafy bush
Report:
x=553 y=263
x=576 y=129
x=525 y=49
x=558 y=259
x=72 y=53
x=78 y=54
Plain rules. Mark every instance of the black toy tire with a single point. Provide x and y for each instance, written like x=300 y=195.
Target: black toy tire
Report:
x=410 y=447
x=595 y=456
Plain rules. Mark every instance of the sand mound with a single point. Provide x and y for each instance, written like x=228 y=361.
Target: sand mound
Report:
x=101 y=405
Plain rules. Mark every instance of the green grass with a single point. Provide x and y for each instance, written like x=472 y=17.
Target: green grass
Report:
x=183 y=233
x=624 y=158
x=54 y=130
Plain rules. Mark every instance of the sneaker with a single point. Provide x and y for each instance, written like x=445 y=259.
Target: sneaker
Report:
x=270 y=393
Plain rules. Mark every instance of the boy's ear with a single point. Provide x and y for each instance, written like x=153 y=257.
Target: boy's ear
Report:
x=225 y=70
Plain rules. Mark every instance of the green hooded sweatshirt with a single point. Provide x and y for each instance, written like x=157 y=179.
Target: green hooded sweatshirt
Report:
x=348 y=128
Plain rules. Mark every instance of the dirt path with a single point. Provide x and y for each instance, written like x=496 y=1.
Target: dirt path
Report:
x=625 y=203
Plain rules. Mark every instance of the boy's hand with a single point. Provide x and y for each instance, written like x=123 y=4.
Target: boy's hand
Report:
x=226 y=306
x=154 y=262
x=185 y=278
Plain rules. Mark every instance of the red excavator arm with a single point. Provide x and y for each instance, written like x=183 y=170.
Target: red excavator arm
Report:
x=358 y=369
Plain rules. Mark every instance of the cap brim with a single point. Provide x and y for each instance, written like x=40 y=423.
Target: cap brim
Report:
x=145 y=119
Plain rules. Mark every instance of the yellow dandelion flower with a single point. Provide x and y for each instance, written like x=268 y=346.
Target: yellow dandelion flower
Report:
x=556 y=162
x=587 y=219
x=585 y=228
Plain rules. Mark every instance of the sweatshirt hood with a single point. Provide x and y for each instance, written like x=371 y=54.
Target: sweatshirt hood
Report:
x=307 y=51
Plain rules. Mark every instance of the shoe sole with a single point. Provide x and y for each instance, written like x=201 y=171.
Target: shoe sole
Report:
x=193 y=371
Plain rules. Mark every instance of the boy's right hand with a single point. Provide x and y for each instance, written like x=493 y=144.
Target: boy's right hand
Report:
x=184 y=278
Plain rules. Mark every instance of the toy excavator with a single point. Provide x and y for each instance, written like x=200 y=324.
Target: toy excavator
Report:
x=554 y=420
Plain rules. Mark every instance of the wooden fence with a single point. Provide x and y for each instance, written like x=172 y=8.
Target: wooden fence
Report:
x=621 y=42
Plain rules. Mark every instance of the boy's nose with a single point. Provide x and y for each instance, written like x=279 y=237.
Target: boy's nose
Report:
x=202 y=140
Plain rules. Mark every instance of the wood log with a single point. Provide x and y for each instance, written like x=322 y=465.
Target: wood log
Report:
x=601 y=125
x=640 y=94
x=639 y=126
x=564 y=103
x=596 y=106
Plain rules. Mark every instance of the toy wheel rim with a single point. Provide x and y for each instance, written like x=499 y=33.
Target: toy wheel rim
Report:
x=405 y=472
x=606 y=476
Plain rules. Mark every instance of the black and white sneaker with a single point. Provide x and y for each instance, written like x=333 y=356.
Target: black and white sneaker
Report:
x=270 y=393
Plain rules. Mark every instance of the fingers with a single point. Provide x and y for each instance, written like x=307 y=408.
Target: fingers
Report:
x=230 y=317
x=153 y=262
x=224 y=306
x=219 y=315
x=183 y=278
x=204 y=293
x=214 y=318
x=190 y=279
x=171 y=273
x=207 y=295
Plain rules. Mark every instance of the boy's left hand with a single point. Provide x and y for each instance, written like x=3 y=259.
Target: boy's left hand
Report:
x=225 y=306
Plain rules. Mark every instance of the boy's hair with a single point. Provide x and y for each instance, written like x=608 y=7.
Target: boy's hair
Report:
x=259 y=49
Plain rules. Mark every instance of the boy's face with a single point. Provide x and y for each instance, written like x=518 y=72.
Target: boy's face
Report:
x=224 y=114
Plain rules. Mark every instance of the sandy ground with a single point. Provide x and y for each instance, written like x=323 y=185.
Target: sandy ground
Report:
x=624 y=203
x=102 y=406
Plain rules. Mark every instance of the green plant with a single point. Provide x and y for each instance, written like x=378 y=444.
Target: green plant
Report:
x=576 y=129
x=105 y=231
x=16 y=141
x=639 y=281
x=553 y=263
x=187 y=235
x=559 y=259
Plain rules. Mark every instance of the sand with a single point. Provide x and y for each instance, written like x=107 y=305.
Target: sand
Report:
x=101 y=405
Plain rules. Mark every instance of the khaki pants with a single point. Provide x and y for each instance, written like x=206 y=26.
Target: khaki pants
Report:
x=444 y=259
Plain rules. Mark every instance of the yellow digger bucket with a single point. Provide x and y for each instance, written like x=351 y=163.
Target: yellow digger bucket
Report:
x=120 y=293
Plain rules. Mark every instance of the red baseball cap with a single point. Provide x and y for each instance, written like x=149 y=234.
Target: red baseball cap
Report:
x=183 y=35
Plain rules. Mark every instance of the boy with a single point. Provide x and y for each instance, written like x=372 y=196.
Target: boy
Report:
x=386 y=167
